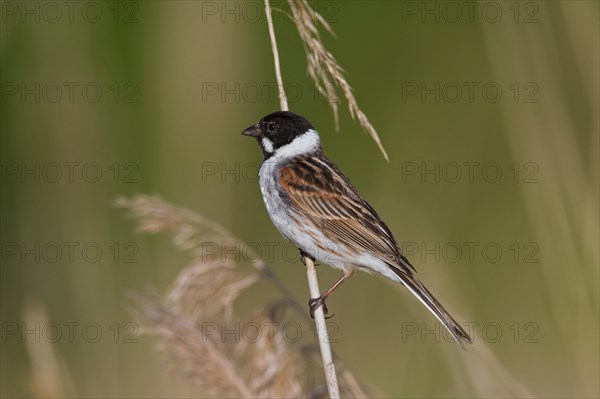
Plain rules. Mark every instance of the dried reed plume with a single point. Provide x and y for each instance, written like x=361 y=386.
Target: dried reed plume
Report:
x=203 y=296
x=324 y=69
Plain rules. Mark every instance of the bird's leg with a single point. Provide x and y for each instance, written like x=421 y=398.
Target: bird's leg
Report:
x=314 y=303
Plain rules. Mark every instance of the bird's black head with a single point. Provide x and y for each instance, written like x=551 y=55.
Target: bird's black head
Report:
x=277 y=130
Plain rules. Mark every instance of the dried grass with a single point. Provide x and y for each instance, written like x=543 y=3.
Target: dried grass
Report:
x=323 y=68
x=204 y=294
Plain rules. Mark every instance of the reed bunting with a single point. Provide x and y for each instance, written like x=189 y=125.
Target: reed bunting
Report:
x=316 y=207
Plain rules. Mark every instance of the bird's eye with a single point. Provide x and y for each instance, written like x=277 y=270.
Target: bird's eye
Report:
x=271 y=127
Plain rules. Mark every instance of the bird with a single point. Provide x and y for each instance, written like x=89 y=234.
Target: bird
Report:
x=316 y=207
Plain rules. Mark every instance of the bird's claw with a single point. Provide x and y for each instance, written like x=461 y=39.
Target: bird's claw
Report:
x=304 y=256
x=314 y=303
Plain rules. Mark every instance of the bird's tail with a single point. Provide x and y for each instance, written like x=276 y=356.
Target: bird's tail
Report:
x=418 y=289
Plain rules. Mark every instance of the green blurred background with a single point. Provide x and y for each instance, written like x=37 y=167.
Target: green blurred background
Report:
x=180 y=80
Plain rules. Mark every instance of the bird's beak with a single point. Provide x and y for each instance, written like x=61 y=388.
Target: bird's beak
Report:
x=252 y=131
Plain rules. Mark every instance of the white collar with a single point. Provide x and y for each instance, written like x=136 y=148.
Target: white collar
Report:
x=303 y=144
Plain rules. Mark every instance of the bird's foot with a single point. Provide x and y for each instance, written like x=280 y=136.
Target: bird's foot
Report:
x=304 y=256
x=314 y=303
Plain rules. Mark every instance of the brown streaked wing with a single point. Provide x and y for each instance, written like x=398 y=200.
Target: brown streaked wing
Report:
x=317 y=189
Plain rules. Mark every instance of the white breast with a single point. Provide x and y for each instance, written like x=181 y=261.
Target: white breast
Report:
x=306 y=237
